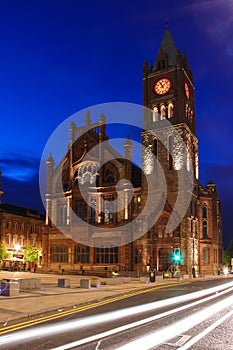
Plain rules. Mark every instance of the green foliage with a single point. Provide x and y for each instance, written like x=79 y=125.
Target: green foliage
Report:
x=3 y=252
x=228 y=254
x=31 y=253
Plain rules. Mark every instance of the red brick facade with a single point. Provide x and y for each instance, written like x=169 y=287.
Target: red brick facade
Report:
x=70 y=244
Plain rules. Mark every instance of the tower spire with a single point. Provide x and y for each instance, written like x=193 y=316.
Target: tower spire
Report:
x=168 y=46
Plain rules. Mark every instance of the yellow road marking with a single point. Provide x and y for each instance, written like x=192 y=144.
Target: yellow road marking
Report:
x=47 y=318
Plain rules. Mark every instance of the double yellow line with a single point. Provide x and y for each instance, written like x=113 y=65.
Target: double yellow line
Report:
x=47 y=318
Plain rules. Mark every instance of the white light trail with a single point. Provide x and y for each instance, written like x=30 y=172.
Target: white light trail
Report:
x=155 y=338
x=56 y=328
x=206 y=331
x=135 y=324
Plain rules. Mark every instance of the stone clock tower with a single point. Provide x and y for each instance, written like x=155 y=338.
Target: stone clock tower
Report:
x=168 y=93
x=168 y=86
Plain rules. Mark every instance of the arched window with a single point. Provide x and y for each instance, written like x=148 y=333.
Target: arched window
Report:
x=8 y=239
x=155 y=114
x=15 y=240
x=136 y=203
x=188 y=161
x=109 y=177
x=21 y=240
x=155 y=152
x=62 y=215
x=93 y=210
x=137 y=256
x=109 y=209
x=204 y=211
x=82 y=254
x=170 y=152
x=204 y=229
x=163 y=112
x=170 y=111
x=206 y=254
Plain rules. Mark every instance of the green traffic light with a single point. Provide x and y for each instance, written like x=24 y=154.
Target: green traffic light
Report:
x=177 y=256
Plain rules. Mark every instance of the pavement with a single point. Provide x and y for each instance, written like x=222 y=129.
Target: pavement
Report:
x=51 y=299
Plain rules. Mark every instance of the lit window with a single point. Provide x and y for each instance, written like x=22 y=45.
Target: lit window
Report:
x=170 y=111
x=163 y=112
x=136 y=204
x=188 y=161
x=109 y=209
x=155 y=114
x=15 y=239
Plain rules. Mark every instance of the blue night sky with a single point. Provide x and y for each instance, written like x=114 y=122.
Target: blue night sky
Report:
x=61 y=56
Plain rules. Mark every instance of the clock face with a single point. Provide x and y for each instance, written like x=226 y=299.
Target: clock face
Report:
x=162 y=86
x=187 y=90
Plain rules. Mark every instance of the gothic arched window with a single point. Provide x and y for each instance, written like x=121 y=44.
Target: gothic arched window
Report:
x=109 y=177
x=62 y=215
x=155 y=114
x=204 y=211
x=21 y=240
x=109 y=209
x=93 y=210
x=81 y=254
x=170 y=152
x=155 y=152
x=204 y=229
x=170 y=111
x=8 y=239
x=163 y=112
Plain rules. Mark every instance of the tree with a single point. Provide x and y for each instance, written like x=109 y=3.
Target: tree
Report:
x=31 y=253
x=3 y=252
x=228 y=254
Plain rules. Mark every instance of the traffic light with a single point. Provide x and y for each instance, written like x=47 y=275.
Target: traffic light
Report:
x=177 y=256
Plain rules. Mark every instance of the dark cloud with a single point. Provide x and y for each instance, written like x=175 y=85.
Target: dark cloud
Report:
x=21 y=166
x=20 y=182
